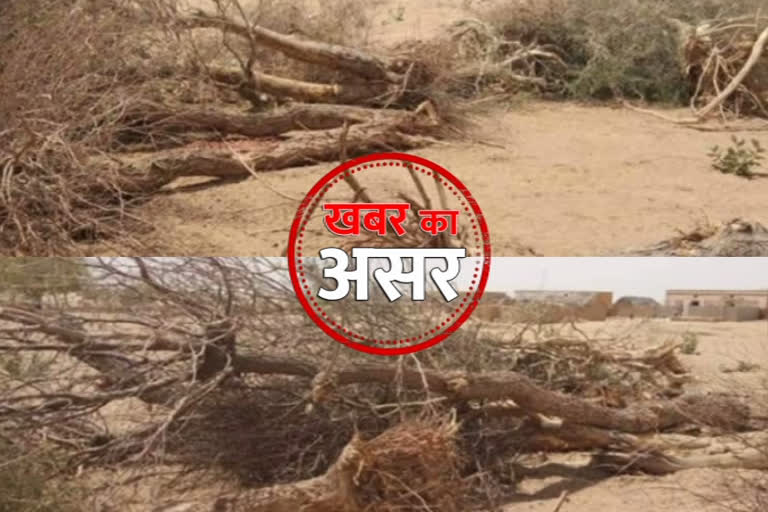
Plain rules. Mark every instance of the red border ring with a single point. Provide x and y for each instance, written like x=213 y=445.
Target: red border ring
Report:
x=339 y=336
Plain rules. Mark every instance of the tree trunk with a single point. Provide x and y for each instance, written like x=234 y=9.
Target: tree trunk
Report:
x=660 y=464
x=714 y=410
x=151 y=120
x=331 y=56
x=310 y=92
x=222 y=160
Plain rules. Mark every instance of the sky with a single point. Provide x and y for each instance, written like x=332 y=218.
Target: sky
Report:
x=647 y=277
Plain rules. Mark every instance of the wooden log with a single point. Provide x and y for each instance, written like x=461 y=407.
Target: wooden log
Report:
x=332 y=56
x=310 y=92
x=155 y=120
x=660 y=464
x=222 y=160
x=643 y=417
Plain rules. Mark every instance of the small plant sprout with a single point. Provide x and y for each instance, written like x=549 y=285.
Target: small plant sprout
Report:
x=740 y=159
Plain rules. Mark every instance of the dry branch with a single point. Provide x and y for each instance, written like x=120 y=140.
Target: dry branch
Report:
x=754 y=57
x=150 y=122
x=735 y=238
x=660 y=464
x=705 y=55
x=310 y=92
x=533 y=399
x=216 y=159
x=329 y=55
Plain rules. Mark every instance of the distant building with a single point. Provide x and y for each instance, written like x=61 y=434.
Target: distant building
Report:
x=498 y=298
x=544 y=306
x=494 y=307
x=637 y=307
x=557 y=306
x=718 y=305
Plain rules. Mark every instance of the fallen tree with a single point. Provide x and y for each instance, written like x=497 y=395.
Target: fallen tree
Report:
x=348 y=59
x=527 y=396
x=196 y=338
x=150 y=172
x=81 y=166
x=149 y=121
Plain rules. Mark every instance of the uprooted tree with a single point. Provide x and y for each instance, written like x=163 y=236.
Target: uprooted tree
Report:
x=219 y=345
x=152 y=100
x=158 y=93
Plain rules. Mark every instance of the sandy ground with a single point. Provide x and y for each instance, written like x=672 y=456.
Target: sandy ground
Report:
x=574 y=180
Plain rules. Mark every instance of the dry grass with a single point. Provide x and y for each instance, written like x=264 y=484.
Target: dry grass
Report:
x=75 y=81
x=68 y=74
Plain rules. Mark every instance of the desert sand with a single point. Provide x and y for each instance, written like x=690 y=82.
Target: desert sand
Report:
x=571 y=180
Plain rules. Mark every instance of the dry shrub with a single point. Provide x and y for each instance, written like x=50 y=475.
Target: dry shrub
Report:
x=69 y=71
x=612 y=49
x=343 y=22
x=26 y=480
x=412 y=466
x=77 y=80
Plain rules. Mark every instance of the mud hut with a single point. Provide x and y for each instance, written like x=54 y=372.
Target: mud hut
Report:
x=718 y=305
x=636 y=307
x=560 y=306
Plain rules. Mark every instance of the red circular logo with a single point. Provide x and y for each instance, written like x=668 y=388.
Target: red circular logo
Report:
x=405 y=230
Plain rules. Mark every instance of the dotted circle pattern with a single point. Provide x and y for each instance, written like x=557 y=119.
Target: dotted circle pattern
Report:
x=430 y=336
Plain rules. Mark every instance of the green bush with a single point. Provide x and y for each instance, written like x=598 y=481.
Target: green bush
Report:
x=26 y=484
x=32 y=278
x=739 y=158
x=628 y=48
x=690 y=343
